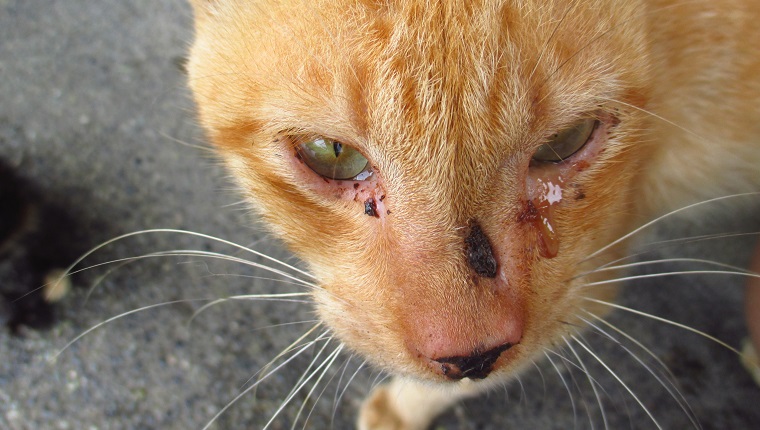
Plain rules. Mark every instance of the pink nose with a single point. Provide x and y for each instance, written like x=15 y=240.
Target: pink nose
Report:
x=459 y=349
x=462 y=329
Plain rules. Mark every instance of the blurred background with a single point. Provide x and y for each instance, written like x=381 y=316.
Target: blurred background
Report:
x=97 y=140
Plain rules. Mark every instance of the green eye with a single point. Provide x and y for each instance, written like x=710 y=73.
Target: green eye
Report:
x=567 y=142
x=332 y=159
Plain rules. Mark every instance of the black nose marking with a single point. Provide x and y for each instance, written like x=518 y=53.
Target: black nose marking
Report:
x=479 y=253
x=475 y=366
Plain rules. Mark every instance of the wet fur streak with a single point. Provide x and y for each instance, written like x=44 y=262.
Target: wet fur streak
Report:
x=474 y=256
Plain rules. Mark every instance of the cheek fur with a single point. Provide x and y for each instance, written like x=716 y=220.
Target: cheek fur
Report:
x=390 y=252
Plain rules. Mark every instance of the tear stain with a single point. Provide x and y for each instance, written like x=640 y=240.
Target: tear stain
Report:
x=540 y=216
x=547 y=235
x=370 y=207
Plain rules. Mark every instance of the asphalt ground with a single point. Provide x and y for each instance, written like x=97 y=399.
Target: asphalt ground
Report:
x=98 y=140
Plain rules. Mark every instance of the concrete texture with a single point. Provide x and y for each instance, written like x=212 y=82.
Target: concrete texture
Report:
x=97 y=139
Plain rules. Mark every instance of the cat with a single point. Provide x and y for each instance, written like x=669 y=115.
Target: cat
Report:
x=454 y=173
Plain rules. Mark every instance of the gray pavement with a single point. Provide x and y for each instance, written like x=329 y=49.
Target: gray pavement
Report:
x=97 y=139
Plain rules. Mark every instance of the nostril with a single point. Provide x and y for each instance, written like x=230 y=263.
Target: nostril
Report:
x=478 y=365
x=479 y=252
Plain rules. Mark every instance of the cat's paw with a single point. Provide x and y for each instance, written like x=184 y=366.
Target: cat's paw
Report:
x=410 y=405
x=379 y=412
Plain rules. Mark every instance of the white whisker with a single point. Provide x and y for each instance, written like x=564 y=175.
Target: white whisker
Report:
x=591 y=382
x=343 y=392
x=676 y=273
x=343 y=368
x=668 y=384
x=541 y=374
x=122 y=315
x=271 y=326
x=660 y=218
x=566 y=361
x=606 y=268
x=329 y=361
x=174 y=253
x=654 y=115
x=244 y=202
x=258 y=278
x=189 y=233
x=306 y=376
x=666 y=321
x=282 y=297
x=254 y=385
x=567 y=388
x=202 y=147
x=523 y=395
x=620 y=381
x=379 y=379
x=569 y=365
x=291 y=347
x=224 y=257
x=305 y=373
x=678 y=241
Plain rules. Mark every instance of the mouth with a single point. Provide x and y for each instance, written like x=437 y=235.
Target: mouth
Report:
x=478 y=365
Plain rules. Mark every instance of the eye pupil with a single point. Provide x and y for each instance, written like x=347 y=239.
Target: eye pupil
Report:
x=332 y=159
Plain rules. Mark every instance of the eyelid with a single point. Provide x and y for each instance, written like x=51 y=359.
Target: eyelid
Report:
x=566 y=142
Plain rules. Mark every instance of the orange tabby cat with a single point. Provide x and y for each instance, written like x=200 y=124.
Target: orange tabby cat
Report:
x=449 y=169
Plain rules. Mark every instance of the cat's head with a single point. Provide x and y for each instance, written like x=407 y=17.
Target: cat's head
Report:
x=485 y=149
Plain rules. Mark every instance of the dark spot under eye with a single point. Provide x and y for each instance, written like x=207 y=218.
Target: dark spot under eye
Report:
x=370 y=207
x=578 y=190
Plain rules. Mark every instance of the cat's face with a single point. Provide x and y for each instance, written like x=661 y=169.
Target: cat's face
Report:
x=461 y=234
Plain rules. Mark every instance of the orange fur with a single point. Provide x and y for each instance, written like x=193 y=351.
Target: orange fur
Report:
x=449 y=100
